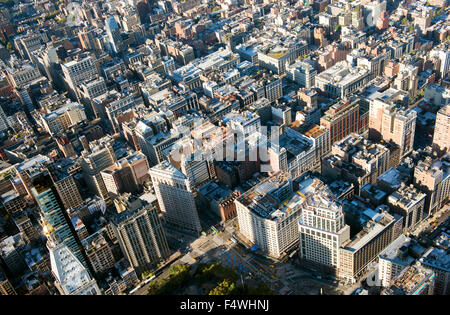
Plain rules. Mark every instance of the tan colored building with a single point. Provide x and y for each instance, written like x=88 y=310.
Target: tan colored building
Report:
x=408 y=202
x=268 y=215
x=321 y=136
x=100 y=157
x=431 y=179
x=6 y=287
x=175 y=196
x=118 y=178
x=321 y=227
x=141 y=237
x=399 y=126
x=373 y=158
x=441 y=138
x=341 y=119
x=357 y=253
x=98 y=252
x=68 y=191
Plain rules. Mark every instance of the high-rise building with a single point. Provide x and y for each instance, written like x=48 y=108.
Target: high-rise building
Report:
x=100 y=157
x=407 y=79
x=373 y=158
x=113 y=32
x=98 y=252
x=322 y=231
x=357 y=253
x=65 y=184
x=408 y=202
x=321 y=137
x=6 y=287
x=341 y=119
x=79 y=71
x=118 y=178
x=433 y=179
x=372 y=11
x=25 y=227
x=54 y=214
x=268 y=214
x=342 y=79
x=389 y=122
x=72 y=278
x=393 y=259
x=438 y=260
x=141 y=236
x=302 y=73
x=399 y=126
x=175 y=196
x=293 y=152
x=441 y=137
x=444 y=56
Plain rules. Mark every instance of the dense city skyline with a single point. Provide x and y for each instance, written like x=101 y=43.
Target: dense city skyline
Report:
x=224 y=147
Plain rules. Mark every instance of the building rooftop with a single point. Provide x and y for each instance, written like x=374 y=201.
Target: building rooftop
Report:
x=70 y=273
x=411 y=281
x=393 y=177
x=213 y=191
x=294 y=142
x=273 y=197
x=342 y=73
x=406 y=196
x=397 y=251
x=437 y=258
x=377 y=223
x=168 y=169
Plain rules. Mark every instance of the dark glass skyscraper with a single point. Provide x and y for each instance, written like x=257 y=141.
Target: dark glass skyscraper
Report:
x=54 y=214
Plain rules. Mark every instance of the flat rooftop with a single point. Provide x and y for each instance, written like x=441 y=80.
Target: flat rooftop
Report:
x=397 y=252
x=264 y=199
x=376 y=225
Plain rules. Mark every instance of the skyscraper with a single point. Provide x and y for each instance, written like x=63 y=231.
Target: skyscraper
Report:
x=78 y=71
x=98 y=252
x=175 y=197
x=141 y=236
x=99 y=158
x=113 y=32
x=54 y=215
x=72 y=278
x=268 y=214
x=399 y=126
x=322 y=230
x=441 y=138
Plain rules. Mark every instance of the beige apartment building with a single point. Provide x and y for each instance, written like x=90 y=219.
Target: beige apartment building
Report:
x=441 y=138
x=408 y=202
x=175 y=196
x=358 y=252
x=268 y=214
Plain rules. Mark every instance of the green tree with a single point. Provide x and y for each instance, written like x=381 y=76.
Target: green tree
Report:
x=178 y=277
x=147 y=274
x=226 y=287
x=178 y=269
x=405 y=21
x=9 y=46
